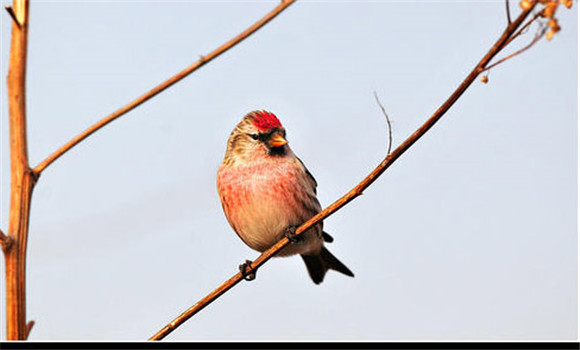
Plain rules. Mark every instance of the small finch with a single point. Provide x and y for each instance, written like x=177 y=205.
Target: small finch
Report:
x=266 y=192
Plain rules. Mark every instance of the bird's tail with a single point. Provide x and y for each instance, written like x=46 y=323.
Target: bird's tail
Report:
x=317 y=265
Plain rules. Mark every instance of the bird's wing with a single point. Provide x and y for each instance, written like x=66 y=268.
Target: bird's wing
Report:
x=311 y=178
x=310 y=202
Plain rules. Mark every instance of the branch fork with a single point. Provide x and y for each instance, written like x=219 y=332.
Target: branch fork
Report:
x=10 y=11
x=5 y=242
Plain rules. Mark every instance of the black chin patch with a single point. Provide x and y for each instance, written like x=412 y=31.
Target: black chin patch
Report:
x=277 y=151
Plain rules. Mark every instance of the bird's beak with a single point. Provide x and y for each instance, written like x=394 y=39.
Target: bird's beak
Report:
x=277 y=141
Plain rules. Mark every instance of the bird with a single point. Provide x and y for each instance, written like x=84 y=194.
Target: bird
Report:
x=266 y=192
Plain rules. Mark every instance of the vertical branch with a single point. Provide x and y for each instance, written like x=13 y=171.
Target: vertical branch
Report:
x=22 y=179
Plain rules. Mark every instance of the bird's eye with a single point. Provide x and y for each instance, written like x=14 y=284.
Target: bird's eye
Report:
x=254 y=136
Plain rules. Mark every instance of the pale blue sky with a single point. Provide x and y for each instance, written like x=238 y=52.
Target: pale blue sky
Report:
x=471 y=235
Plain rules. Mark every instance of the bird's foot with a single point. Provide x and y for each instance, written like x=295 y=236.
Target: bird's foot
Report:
x=290 y=233
x=248 y=273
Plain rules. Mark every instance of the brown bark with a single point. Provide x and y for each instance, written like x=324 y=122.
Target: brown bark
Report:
x=22 y=178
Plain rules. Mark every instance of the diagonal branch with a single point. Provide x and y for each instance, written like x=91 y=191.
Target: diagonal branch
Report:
x=159 y=88
x=358 y=189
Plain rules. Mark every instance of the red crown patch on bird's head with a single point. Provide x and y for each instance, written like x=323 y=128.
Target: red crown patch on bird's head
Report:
x=264 y=120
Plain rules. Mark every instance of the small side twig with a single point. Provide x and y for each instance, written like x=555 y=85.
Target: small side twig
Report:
x=507 y=12
x=388 y=122
x=10 y=11
x=29 y=326
x=5 y=241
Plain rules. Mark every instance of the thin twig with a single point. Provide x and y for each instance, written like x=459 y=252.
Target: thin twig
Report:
x=358 y=189
x=29 y=326
x=159 y=88
x=388 y=123
x=507 y=11
x=10 y=11
x=537 y=37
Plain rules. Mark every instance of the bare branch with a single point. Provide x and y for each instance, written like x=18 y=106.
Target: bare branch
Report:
x=358 y=189
x=507 y=11
x=161 y=87
x=388 y=123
